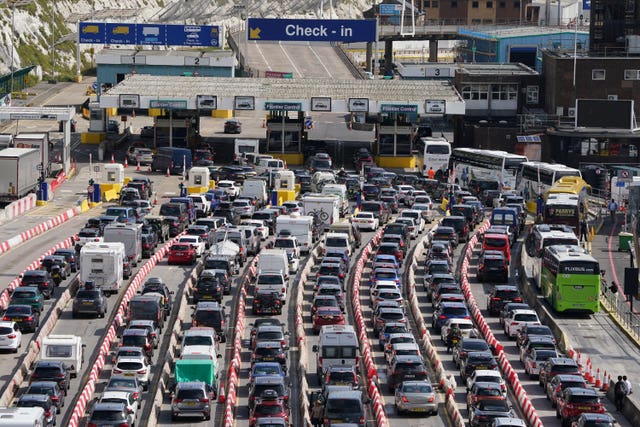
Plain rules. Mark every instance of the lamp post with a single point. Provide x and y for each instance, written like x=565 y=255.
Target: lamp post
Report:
x=13 y=4
x=52 y=79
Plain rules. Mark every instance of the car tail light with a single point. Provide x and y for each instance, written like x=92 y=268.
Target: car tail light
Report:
x=204 y=400
x=28 y=319
x=56 y=398
x=123 y=425
x=497 y=299
x=45 y=284
x=533 y=365
x=467 y=317
x=514 y=323
x=92 y=425
x=136 y=395
x=141 y=371
x=442 y=317
x=5 y=318
x=404 y=399
x=517 y=299
x=117 y=371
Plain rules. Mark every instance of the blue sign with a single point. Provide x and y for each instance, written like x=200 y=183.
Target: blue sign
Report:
x=619 y=183
x=192 y=35
x=312 y=30
x=586 y=4
x=120 y=33
x=92 y=32
x=390 y=9
x=151 y=34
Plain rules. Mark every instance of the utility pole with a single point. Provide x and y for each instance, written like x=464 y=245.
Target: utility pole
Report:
x=52 y=80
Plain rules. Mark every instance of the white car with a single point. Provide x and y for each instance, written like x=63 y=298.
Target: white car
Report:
x=416 y=215
x=381 y=285
x=229 y=187
x=259 y=225
x=366 y=220
x=134 y=366
x=196 y=243
x=124 y=397
x=289 y=243
x=534 y=360
x=10 y=336
x=465 y=325
x=487 y=376
x=404 y=193
x=519 y=318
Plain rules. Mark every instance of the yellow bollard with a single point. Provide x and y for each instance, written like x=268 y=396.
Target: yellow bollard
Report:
x=592 y=233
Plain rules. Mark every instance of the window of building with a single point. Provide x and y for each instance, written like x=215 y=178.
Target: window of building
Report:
x=489 y=5
x=475 y=92
x=434 y=3
x=474 y=4
x=631 y=74
x=598 y=74
x=516 y=5
x=427 y=4
x=504 y=92
x=454 y=4
x=502 y=4
x=532 y=94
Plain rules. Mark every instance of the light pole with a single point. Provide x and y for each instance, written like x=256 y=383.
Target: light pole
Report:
x=13 y=4
x=52 y=79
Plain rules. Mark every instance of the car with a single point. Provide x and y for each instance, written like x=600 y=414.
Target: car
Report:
x=398 y=338
x=536 y=342
x=270 y=333
x=465 y=326
x=196 y=242
x=449 y=310
x=438 y=252
x=487 y=376
x=191 y=398
x=149 y=326
x=267 y=382
x=403 y=368
x=388 y=329
x=483 y=412
x=492 y=266
x=366 y=221
x=28 y=295
x=333 y=290
x=213 y=315
x=232 y=125
x=477 y=360
x=207 y=288
x=122 y=397
x=508 y=422
x=508 y=308
x=10 y=336
x=327 y=316
x=432 y=282
x=268 y=404
x=181 y=253
x=40 y=401
x=575 y=401
x=385 y=295
x=138 y=366
x=558 y=383
x=594 y=420
x=390 y=248
x=501 y=295
x=267 y=302
x=519 y=318
x=484 y=391
x=51 y=371
x=48 y=262
x=341 y=375
x=70 y=256
x=137 y=338
x=445 y=288
x=534 y=360
x=40 y=278
x=48 y=388
x=416 y=396
x=402 y=349
x=157 y=285
x=90 y=300
x=528 y=331
x=25 y=316
x=261 y=369
x=555 y=366
x=229 y=187
x=387 y=314
x=446 y=233
x=467 y=345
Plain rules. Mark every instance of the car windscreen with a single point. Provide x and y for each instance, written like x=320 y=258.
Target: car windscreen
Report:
x=344 y=406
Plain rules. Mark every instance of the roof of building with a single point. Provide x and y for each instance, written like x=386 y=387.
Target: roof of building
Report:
x=510 y=69
x=194 y=53
x=497 y=33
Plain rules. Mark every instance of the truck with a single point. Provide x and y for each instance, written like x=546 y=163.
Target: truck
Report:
x=19 y=172
x=204 y=370
x=243 y=146
x=102 y=264
x=39 y=141
x=64 y=348
x=339 y=190
x=325 y=209
x=300 y=226
x=130 y=235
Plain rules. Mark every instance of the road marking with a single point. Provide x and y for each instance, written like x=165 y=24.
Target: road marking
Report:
x=263 y=57
x=290 y=60
x=320 y=61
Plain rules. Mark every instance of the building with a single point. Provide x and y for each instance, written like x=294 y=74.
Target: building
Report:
x=474 y=12
x=612 y=21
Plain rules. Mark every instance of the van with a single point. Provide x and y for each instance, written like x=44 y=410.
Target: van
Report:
x=130 y=235
x=181 y=215
x=273 y=281
x=345 y=407
x=337 y=345
x=64 y=348
x=348 y=228
x=274 y=260
x=460 y=224
x=339 y=190
x=242 y=147
x=338 y=241
x=497 y=242
x=506 y=216
x=22 y=417
x=300 y=227
x=124 y=214
x=255 y=188
x=189 y=204
x=149 y=306
x=174 y=159
x=320 y=179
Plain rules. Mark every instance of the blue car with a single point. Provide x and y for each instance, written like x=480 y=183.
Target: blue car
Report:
x=336 y=253
x=449 y=310
x=262 y=369
x=387 y=274
x=386 y=261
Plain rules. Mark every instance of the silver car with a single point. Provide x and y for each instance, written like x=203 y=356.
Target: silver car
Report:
x=416 y=396
x=191 y=399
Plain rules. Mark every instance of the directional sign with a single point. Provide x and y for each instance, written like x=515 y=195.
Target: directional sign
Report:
x=316 y=30
x=149 y=34
x=193 y=35
x=92 y=32
x=120 y=33
x=390 y=9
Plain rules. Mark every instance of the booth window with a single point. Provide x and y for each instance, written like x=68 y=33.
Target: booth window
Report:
x=197 y=179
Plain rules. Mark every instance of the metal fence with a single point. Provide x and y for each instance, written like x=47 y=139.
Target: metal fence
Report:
x=620 y=309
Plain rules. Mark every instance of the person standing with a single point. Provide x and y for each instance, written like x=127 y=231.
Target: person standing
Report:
x=613 y=208
x=627 y=383
x=619 y=392
x=317 y=413
x=431 y=174
x=584 y=230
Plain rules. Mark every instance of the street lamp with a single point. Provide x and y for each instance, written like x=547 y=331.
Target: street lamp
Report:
x=13 y=4
x=52 y=79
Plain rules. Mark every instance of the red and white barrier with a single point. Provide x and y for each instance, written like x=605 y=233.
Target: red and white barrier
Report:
x=19 y=207
x=39 y=229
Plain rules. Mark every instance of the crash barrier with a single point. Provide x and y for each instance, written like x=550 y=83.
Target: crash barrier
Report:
x=365 y=347
x=505 y=366
x=111 y=336
x=230 y=398
x=301 y=337
x=17 y=208
x=39 y=229
x=5 y=295
x=446 y=382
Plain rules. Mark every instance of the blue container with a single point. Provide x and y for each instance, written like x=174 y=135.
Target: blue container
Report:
x=44 y=191
x=96 y=196
x=274 y=198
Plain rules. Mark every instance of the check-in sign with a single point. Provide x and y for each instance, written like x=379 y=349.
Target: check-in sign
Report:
x=398 y=108
x=282 y=106
x=317 y=30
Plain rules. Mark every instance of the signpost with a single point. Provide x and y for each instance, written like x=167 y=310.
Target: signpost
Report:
x=278 y=74
x=390 y=9
x=149 y=34
x=316 y=30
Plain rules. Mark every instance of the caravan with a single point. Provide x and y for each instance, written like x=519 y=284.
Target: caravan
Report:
x=300 y=227
x=102 y=264
x=64 y=348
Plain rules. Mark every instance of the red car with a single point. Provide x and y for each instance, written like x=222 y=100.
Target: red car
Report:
x=575 y=401
x=327 y=316
x=268 y=405
x=182 y=254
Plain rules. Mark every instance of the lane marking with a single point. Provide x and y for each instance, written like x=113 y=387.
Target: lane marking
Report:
x=320 y=61
x=290 y=60
x=262 y=55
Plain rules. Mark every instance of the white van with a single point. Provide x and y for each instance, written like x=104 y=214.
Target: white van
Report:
x=339 y=190
x=338 y=345
x=274 y=260
x=272 y=281
x=256 y=188
x=339 y=241
x=320 y=179
x=300 y=227
x=261 y=163
x=64 y=348
x=22 y=417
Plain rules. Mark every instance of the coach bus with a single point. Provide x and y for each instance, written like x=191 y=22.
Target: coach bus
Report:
x=541 y=237
x=485 y=166
x=536 y=178
x=435 y=155
x=570 y=279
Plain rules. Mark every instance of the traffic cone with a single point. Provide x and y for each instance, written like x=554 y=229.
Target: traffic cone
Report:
x=589 y=375
x=155 y=199
x=149 y=170
x=126 y=162
x=598 y=383
x=264 y=123
x=168 y=173
x=605 y=382
x=138 y=167
x=113 y=159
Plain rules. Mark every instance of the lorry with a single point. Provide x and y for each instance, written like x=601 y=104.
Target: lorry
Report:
x=300 y=226
x=325 y=209
x=204 y=370
x=102 y=264
x=19 y=172
x=256 y=189
x=130 y=235
x=39 y=141
x=243 y=146
x=64 y=348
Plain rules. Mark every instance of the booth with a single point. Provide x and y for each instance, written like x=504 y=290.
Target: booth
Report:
x=111 y=181
x=199 y=180
x=284 y=185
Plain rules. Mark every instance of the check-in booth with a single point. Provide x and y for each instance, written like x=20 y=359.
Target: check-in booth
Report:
x=199 y=180
x=284 y=184
x=395 y=134
x=285 y=131
x=111 y=181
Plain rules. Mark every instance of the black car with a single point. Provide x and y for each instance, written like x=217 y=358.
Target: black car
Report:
x=446 y=233
x=207 y=288
x=51 y=371
x=460 y=224
x=40 y=278
x=157 y=285
x=477 y=360
x=493 y=266
x=26 y=317
x=213 y=315
x=49 y=388
x=40 y=401
x=500 y=295
x=148 y=245
x=90 y=300
x=70 y=256
x=267 y=302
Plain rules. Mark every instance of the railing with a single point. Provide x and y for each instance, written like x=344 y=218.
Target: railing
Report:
x=620 y=309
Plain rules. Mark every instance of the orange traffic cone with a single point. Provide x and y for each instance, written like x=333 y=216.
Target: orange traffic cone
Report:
x=168 y=173
x=598 y=383
x=138 y=167
x=264 y=124
x=155 y=199
x=149 y=170
x=605 y=382
x=126 y=162
x=113 y=159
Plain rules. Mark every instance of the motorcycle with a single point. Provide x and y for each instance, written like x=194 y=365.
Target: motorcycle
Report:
x=452 y=341
x=56 y=275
